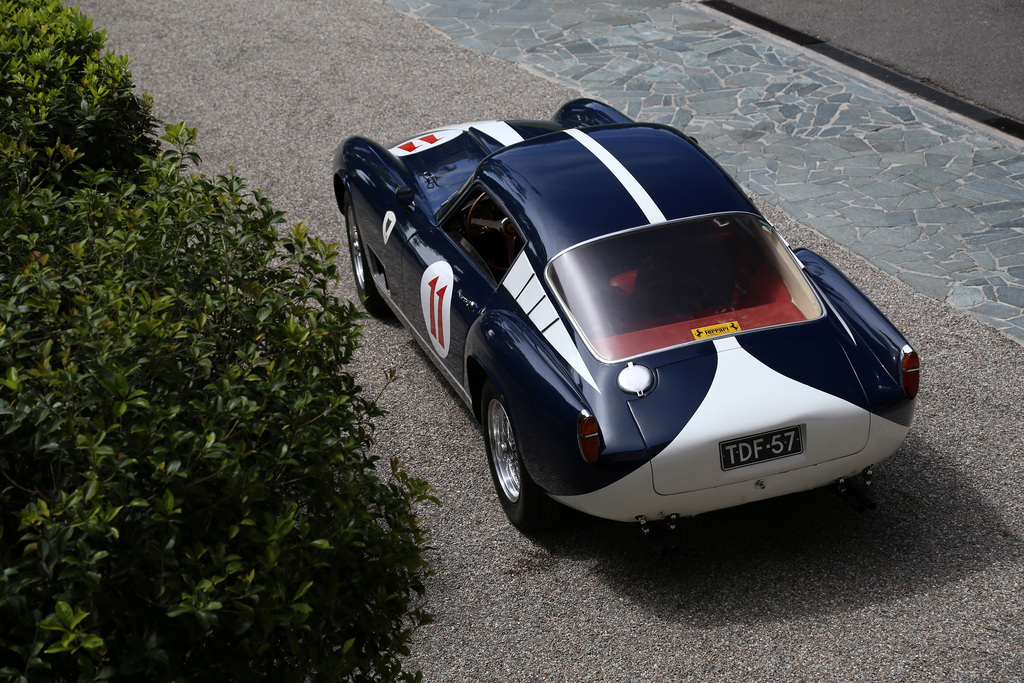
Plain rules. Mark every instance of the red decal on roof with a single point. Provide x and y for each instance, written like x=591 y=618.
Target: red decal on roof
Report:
x=425 y=141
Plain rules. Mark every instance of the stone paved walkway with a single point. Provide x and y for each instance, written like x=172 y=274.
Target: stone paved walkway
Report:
x=926 y=196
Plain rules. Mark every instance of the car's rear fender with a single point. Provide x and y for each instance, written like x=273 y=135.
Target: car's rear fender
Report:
x=544 y=400
x=878 y=344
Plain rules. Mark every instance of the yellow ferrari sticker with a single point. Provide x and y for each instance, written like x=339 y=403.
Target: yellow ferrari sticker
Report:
x=715 y=330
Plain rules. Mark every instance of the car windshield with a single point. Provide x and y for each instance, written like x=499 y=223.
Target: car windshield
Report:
x=655 y=288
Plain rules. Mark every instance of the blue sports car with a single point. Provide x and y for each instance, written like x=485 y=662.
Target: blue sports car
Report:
x=637 y=341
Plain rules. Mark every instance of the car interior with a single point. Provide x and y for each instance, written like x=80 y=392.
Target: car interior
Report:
x=486 y=234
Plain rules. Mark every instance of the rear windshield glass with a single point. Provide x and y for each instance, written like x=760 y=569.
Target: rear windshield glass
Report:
x=659 y=287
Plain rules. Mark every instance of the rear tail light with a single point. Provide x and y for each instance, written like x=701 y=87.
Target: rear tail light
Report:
x=910 y=371
x=589 y=436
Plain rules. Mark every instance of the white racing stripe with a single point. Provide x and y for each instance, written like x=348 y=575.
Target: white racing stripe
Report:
x=686 y=477
x=622 y=174
x=523 y=284
x=499 y=130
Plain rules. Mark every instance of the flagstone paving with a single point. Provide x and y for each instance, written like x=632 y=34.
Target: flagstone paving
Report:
x=932 y=199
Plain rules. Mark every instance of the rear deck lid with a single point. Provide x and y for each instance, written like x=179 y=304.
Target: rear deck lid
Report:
x=752 y=420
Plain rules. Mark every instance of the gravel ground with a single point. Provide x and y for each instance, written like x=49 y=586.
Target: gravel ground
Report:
x=927 y=587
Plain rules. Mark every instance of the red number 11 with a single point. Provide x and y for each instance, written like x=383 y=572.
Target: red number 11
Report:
x=437 y=328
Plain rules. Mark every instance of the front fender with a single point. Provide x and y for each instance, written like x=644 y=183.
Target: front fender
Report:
x=368 y=175
x=363 y=167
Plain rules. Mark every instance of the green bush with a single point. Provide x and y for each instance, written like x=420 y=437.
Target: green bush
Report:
x=60 y=90
x=186 y=489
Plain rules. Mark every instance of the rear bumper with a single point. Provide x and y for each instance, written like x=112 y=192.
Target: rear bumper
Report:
x=634 y=494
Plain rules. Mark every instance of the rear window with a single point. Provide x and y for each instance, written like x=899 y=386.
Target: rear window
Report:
x=663 y=286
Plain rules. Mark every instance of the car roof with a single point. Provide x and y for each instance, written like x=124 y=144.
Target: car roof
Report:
x=574 y=185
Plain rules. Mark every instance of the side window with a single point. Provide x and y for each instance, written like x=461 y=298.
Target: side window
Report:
x=486 y=234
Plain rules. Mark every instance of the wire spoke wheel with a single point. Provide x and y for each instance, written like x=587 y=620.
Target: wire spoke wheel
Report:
x=503 y=450
x=355 y=244
x=366 y=288
x=528 y=507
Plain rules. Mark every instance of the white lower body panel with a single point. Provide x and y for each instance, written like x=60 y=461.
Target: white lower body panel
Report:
x=635 y=495
x=747 y=398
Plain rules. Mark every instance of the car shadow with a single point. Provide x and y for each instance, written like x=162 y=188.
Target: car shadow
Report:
x=796 y=556
x=803 y=554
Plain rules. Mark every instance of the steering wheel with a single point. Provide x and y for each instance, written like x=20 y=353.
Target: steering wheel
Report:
x=477 y=226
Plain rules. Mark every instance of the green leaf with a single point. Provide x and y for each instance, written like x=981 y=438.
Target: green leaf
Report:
x=65 y=614
x=178 y=610
x=174 y=373
x=303 y=589
x=92 y=642
x=52 y=625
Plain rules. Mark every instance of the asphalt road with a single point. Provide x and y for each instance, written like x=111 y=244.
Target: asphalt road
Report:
x=970 y=49
x=929 y=587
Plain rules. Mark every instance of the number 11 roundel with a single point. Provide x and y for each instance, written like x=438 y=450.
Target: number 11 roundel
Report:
x=436 y=290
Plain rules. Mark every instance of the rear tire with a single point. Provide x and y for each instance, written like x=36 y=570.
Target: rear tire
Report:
x=366 y=288
x=524 y=502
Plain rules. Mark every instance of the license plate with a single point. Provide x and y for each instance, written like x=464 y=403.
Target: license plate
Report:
x=751 y=450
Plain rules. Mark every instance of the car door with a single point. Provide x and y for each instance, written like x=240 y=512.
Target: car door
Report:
x=453 y=271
